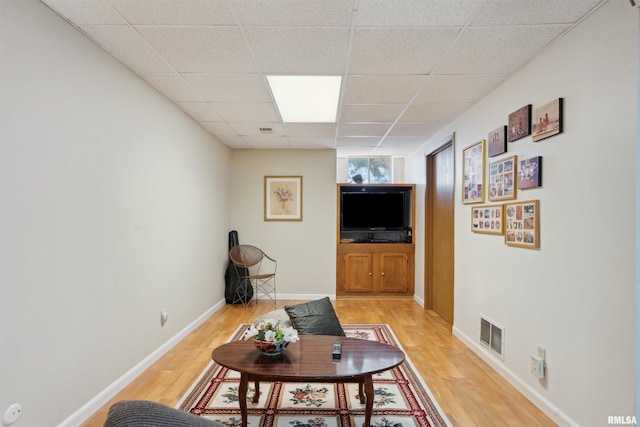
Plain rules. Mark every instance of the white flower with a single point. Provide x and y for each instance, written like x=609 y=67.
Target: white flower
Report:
x=251 y=332
x=269 y=335
x=290 y=334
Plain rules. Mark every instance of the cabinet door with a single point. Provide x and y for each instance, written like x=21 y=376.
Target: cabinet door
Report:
x=393 y=272
x=358 y=273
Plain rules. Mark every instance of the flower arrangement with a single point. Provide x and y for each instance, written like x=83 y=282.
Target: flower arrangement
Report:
x=270 y=338
x=271 y=332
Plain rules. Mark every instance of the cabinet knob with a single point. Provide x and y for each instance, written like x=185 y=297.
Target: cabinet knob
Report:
x=382 y=273
x=370 y=274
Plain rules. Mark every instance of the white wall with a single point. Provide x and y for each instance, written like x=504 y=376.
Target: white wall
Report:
x=114 y=205
x=305 y=250
x=575 y=295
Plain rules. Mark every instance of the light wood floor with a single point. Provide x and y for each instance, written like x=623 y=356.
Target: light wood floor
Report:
x=467 y=389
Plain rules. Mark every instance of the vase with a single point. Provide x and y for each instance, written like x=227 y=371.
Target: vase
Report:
x=269 y=348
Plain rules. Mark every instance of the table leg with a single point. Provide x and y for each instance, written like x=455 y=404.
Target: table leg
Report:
x=368 y=409
x=256 y=395
x=361 y=391
x=242 y=397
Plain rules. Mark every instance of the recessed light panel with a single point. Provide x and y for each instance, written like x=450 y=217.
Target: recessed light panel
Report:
x=306 y=99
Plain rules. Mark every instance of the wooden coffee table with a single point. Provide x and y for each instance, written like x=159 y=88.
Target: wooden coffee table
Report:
x=310 y=360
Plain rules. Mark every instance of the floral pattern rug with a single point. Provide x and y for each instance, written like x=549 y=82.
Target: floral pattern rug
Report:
x=401 y=397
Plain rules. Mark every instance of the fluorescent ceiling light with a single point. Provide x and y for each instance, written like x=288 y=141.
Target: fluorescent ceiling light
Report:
x=306 y=99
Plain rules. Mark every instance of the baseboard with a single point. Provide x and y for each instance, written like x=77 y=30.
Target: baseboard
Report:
x=92 y=406
x=534 y=397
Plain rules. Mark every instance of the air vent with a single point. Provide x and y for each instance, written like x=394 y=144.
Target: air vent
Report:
x=266 y=130
x=492 y=336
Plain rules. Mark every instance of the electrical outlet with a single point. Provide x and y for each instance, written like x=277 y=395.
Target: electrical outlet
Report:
x=12 y=414
x=537 y=366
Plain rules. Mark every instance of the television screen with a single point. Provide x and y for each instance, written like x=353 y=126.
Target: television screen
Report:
x=373 y=211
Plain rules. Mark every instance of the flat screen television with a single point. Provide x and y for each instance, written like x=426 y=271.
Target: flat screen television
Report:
x=380 y=210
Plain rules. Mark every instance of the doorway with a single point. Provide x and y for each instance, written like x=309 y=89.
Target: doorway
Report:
x=439 y=230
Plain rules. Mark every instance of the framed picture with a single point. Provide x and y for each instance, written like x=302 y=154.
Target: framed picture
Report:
x=473 y=173
x=530 y=173
x=497 y=141
x=522 y=224
x=283 y=198
x=503 y=178
x=488 y=219
x=547 y=120
x=519 y=123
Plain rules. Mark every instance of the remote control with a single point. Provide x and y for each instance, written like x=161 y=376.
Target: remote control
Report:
x=337 y=350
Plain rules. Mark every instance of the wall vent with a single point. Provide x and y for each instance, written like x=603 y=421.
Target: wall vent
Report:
x=492 y=336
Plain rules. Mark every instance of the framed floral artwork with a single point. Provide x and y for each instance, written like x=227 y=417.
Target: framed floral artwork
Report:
x=503 y=178
x=283 y=198
x=519 y=123
x=522 y=224
x=488 y=219
x=473 y=173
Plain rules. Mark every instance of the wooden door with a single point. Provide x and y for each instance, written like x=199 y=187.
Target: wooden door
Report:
x=439 y=239
x=393 y=272
x=358 y=272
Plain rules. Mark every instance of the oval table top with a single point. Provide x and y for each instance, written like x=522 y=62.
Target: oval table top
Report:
x=310 y=358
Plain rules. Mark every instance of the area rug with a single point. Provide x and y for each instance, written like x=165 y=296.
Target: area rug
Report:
x=401 y=397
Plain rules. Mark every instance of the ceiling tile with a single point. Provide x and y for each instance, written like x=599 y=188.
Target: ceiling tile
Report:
x=399 y=51
x=172 y=86
x=175 y=12
x=301 y=51
x=247 y=112
x=500 y=12
x=233 y=141
x=294 y=12
x=415 y=129
x=362 y=141
x=414 y=13
x=253 y=129
x=360 y=129
x=387 y=113
x=311 y=142
x=496 y=50
x=234 y=88
x=418 y=113
x=128 y=47
x=219 y=128
x=267 y=142
x=458 y=88
x=382 y=89
x=322 y=130
x=201 y=111
x=82 y=12
x=201 y=49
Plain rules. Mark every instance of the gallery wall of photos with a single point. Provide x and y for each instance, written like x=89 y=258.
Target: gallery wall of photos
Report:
x=492 y=172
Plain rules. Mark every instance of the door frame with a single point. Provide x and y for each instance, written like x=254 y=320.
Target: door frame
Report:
x=448 y=141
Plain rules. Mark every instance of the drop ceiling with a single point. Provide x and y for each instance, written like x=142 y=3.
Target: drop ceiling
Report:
x=409 y=67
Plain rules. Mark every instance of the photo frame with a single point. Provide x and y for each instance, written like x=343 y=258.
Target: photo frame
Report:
x=519 y=123
x=473 y=173
x=503 y=176
x=530 y=173
x=283 y=198
x=497 y=141
x=547 y=120
x=522 y=224
x=487 y=219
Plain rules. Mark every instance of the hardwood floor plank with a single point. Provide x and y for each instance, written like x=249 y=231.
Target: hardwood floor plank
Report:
x=469 y=392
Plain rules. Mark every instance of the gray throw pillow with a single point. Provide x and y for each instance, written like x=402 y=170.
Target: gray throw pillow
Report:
x=315 y=318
